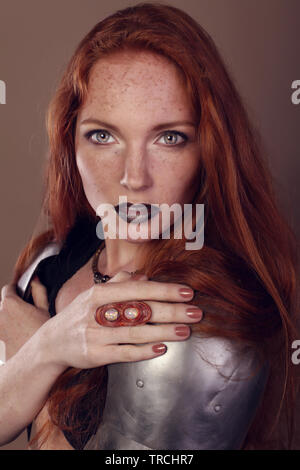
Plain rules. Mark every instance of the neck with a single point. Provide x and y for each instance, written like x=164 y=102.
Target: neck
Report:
x=119 y=255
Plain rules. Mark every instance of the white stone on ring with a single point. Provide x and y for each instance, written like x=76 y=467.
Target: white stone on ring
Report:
x=131 y=313
x=111 y=314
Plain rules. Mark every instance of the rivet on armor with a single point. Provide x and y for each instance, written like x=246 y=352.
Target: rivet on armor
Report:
x=139 y=383
x=217 y=408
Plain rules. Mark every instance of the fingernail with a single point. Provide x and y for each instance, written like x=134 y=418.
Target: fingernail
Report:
x=159 y=348
x=186 y=292
x=182 y=330
x=194 y=312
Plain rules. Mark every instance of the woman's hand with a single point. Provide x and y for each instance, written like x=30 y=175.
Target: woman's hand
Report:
x=19 y=320
x=73 y=338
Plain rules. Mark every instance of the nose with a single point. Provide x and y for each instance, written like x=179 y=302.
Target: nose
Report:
x=136 y=176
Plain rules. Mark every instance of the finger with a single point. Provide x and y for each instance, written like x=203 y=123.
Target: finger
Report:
x=134 y=353
x=39 y=294
x=163 y=312
x=141 y=290
x=140 y=334
x=9 y=290
x=9 y=296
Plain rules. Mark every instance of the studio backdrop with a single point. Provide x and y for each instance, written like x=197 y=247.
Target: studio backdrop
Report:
x=258 y=39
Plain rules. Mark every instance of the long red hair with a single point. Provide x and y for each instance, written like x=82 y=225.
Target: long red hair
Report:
x=247 y=268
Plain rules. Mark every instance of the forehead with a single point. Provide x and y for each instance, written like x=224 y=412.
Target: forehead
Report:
x=136 y=79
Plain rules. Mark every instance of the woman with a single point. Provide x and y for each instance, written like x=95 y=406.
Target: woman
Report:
x=147 y=110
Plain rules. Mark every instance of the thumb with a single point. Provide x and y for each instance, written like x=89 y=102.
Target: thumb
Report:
x=9 y=297
x=39 y=294
x=9 y=290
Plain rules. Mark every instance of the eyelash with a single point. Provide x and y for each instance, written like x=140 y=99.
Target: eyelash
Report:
x=89 y=134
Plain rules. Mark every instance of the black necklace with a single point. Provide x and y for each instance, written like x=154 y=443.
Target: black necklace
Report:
x=99 y=277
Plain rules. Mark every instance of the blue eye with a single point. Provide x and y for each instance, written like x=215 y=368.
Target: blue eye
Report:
x=99 y=136
x=102 y=137
x=174 y=138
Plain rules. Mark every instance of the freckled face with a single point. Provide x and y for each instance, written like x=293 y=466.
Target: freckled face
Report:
x=135 y=133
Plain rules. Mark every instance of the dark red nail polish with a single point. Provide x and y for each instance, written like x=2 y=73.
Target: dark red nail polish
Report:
x=182 y=330
x=186 y=292
x=159 y=348
x=194 y=312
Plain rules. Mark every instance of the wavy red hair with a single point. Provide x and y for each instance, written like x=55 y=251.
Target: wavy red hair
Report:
x=247 y=269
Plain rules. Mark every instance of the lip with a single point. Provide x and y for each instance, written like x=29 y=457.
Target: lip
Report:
x=135 y=212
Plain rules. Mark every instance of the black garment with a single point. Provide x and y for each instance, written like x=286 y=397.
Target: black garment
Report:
x=79 y=246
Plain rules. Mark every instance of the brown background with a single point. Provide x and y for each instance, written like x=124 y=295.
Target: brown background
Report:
x=259 y=40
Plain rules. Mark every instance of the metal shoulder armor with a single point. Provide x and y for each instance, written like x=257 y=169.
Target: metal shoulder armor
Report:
x=201 y=394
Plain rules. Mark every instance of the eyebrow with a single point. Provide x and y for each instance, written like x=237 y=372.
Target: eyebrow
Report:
x=156 y=128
